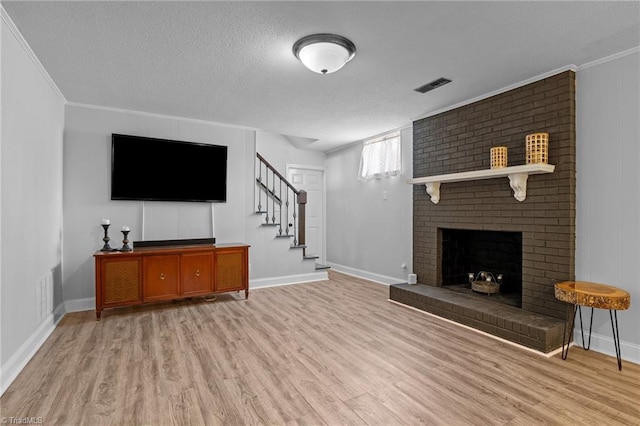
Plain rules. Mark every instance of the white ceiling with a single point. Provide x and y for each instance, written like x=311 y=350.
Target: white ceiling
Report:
x=231 y=62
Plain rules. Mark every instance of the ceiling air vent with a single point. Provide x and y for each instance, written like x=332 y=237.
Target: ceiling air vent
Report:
x=433 y=85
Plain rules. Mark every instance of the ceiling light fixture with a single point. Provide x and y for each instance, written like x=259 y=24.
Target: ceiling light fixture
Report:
x=324 y=53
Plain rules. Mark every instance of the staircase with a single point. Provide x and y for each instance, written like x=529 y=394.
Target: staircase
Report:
x=282 y=207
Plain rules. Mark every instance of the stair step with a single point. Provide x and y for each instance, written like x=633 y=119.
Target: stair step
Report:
x=261 y=211
x=298 y=247
x=320 y=266
x=311 y=256
x=284 y=236
x=270 y=224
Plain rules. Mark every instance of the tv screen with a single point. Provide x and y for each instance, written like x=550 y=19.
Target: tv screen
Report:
x=167 y=170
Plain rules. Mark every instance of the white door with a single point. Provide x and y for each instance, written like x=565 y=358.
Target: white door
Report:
x=312 y=181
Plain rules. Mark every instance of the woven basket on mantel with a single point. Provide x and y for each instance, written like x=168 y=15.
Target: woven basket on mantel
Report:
x=538 y=148
x=498 y=157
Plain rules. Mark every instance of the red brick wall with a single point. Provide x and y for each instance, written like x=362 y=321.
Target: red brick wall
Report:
x=459 y=140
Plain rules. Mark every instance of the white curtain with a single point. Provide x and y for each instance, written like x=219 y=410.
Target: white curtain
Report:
x=381 y=157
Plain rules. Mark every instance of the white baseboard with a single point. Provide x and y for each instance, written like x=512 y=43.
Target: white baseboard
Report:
x=79 y=305
x=14 y=365
x=604 y=344
x=287 y=280
x=371 y=276
x=88 y=304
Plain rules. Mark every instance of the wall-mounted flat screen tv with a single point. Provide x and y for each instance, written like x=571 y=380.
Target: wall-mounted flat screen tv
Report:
x=167 y=170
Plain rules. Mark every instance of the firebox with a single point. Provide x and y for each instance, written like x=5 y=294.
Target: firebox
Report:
x=468 y=255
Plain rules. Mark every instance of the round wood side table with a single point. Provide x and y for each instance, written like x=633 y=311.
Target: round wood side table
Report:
x=593 y=295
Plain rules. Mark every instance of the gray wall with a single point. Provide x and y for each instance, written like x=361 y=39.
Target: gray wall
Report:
x=279 y=151
x=367 y=235
x=608 y=191
x=87 y=162
x=31 y=204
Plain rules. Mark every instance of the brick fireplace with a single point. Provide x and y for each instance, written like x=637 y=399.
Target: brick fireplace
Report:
x=459 y=140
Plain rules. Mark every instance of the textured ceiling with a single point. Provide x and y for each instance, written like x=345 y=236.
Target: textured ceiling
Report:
x=231 y=62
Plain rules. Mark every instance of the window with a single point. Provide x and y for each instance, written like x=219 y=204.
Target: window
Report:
x=381 y=157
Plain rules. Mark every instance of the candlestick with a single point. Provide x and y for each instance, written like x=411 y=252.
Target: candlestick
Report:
x=125 y=241
x=106 y=238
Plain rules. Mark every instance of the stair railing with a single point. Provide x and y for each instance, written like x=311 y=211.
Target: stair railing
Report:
x=270 y=185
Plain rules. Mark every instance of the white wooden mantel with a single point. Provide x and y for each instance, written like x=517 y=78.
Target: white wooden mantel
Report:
x=517 y=175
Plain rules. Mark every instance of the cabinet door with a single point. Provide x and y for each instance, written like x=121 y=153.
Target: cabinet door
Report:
x=120 y=282
x=196 y=271
x=161 y=277
x=231 y=269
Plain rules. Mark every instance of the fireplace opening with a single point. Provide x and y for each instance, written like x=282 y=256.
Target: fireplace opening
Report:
x=492 y=256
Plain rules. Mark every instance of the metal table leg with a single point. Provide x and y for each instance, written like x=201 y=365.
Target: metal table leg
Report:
x=566 y=341
x=564 y=332
x=616 y=335
x=586 y=348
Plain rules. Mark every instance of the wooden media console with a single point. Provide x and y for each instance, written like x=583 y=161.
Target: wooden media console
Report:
x=152 y=274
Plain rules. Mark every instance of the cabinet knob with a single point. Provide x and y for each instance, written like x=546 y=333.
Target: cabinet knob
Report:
x=197 y=272
x=162 y=276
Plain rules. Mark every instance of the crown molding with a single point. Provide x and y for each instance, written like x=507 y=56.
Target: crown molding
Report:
x=27 y=49
x=542 y=76
x=156 y=115
x=570 y=67
x=609 y=58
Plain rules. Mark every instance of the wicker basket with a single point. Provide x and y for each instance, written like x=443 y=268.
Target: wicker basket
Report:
x=498 y=157
x=487 y=287
x=538 y=148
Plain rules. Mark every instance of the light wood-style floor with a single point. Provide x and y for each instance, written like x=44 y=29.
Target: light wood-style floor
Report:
x=332 y=352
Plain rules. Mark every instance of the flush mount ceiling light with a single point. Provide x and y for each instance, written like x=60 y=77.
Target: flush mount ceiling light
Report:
x=324 y=53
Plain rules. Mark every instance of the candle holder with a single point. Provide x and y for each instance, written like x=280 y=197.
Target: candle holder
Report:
x=106 y=239
x=125 y=241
